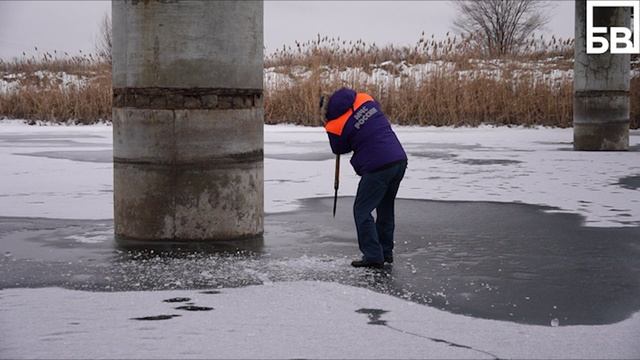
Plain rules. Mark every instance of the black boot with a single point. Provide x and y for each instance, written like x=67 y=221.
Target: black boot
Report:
x=367 y=264
x=388 y=259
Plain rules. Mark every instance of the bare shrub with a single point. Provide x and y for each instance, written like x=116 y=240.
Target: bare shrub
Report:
x=501 y=27
x=105 y=40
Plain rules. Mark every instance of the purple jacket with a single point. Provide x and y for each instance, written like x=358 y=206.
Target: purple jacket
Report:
x=356 y=123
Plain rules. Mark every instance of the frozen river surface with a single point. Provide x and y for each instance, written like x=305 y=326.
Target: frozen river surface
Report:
x=508 y=244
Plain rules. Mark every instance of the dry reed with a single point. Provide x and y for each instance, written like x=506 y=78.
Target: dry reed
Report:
x=41 y=92
x=505 y=91
x=462 y=90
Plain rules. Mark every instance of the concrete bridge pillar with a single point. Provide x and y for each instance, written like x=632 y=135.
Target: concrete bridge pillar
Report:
x=187 y=119
x=601 y=86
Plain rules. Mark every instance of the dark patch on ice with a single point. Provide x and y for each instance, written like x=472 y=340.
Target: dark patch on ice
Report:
x=630 y=182
x=377 y=322
x=194 y=308
x=374 y=316
x=433 y=155
x=177 y=299
x=28 y=137
x=283 y=181
x=210 y=292
x=22 y=141
x=488 y=161
x=449 y=146
x=554 y=142
x=511 y=262
x=300 y=144
x=156 y=317
x=327 y=155
x=441 y=155
x=96 y=156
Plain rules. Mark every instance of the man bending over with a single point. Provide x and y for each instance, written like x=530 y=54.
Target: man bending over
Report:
x=355 y=122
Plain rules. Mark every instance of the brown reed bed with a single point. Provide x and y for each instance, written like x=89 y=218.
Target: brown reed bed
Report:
x=465 y=89
x=85 y=104
x=513 y=90
x=440 y=100
x=57 y=88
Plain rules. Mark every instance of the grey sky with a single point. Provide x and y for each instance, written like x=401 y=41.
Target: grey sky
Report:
x=73 y=25
x=50 y=25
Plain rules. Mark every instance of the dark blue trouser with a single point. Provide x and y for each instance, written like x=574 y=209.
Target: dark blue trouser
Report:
x=377 y=191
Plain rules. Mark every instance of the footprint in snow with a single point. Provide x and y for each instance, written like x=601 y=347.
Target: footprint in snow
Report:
x=194 y=308
x=374 y=316
x=210 y=292
x=177 y=299
x=157 y=317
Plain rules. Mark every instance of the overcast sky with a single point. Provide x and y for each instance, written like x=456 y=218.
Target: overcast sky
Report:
x=73 y=25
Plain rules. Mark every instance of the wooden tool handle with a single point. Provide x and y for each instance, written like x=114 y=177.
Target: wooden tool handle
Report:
x=336 y=183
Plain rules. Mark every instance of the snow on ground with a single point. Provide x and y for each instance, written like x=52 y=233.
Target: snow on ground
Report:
x=280 y=320
x=35 y=186
x=13 y=81
x=43 y=177
x=65 y=172
x=534 y=166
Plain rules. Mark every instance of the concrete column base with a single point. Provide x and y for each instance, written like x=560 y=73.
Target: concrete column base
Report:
x=599 y=137
x=601 y=120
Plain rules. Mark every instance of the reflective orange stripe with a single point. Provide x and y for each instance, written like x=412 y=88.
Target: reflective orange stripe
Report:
x=335 y=126
x=361 y=98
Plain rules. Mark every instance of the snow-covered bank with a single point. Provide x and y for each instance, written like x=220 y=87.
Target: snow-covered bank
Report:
x=64 y=171
x=281 y=320
x=388 y=74
x=43 y=78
